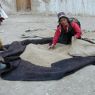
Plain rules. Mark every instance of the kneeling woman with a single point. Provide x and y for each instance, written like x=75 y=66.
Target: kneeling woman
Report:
x=65 y=30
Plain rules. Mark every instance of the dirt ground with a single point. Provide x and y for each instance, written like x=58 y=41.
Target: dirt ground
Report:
x=19 y=27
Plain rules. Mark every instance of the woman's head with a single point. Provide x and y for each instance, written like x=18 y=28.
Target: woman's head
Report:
x=63 y=21
x=62 y=18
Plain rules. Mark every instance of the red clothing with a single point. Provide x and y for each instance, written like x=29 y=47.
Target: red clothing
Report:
x=76 y=28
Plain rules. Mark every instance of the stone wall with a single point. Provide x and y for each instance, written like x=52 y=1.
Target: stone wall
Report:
x=9 y=5
x=80 y=7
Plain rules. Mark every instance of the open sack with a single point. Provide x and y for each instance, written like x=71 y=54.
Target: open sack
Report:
x=82 y=48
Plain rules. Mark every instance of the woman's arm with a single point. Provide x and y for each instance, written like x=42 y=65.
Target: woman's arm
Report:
x=55 y=38
x=77 y=30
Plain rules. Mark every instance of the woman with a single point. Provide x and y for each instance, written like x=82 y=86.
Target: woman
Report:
x=2 y=15
x=65 y=30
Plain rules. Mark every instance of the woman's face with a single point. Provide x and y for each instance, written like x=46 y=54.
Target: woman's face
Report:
x=63 y=21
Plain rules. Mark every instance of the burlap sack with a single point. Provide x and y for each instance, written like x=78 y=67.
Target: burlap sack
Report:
x=82 y=48
x=41 y=55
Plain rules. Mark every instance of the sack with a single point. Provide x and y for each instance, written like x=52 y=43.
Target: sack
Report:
x=82 y=48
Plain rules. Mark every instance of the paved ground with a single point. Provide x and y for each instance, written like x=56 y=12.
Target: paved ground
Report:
x=80 y=83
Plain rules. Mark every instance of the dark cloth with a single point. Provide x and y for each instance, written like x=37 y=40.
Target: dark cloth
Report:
x=21 y=70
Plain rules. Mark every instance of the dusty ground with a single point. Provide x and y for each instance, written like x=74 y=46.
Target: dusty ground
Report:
x=80 y=83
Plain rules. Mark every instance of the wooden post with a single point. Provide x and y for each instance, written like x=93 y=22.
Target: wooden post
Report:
x=23 y=5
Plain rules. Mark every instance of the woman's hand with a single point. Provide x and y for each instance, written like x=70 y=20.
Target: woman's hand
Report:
x=51 y=46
